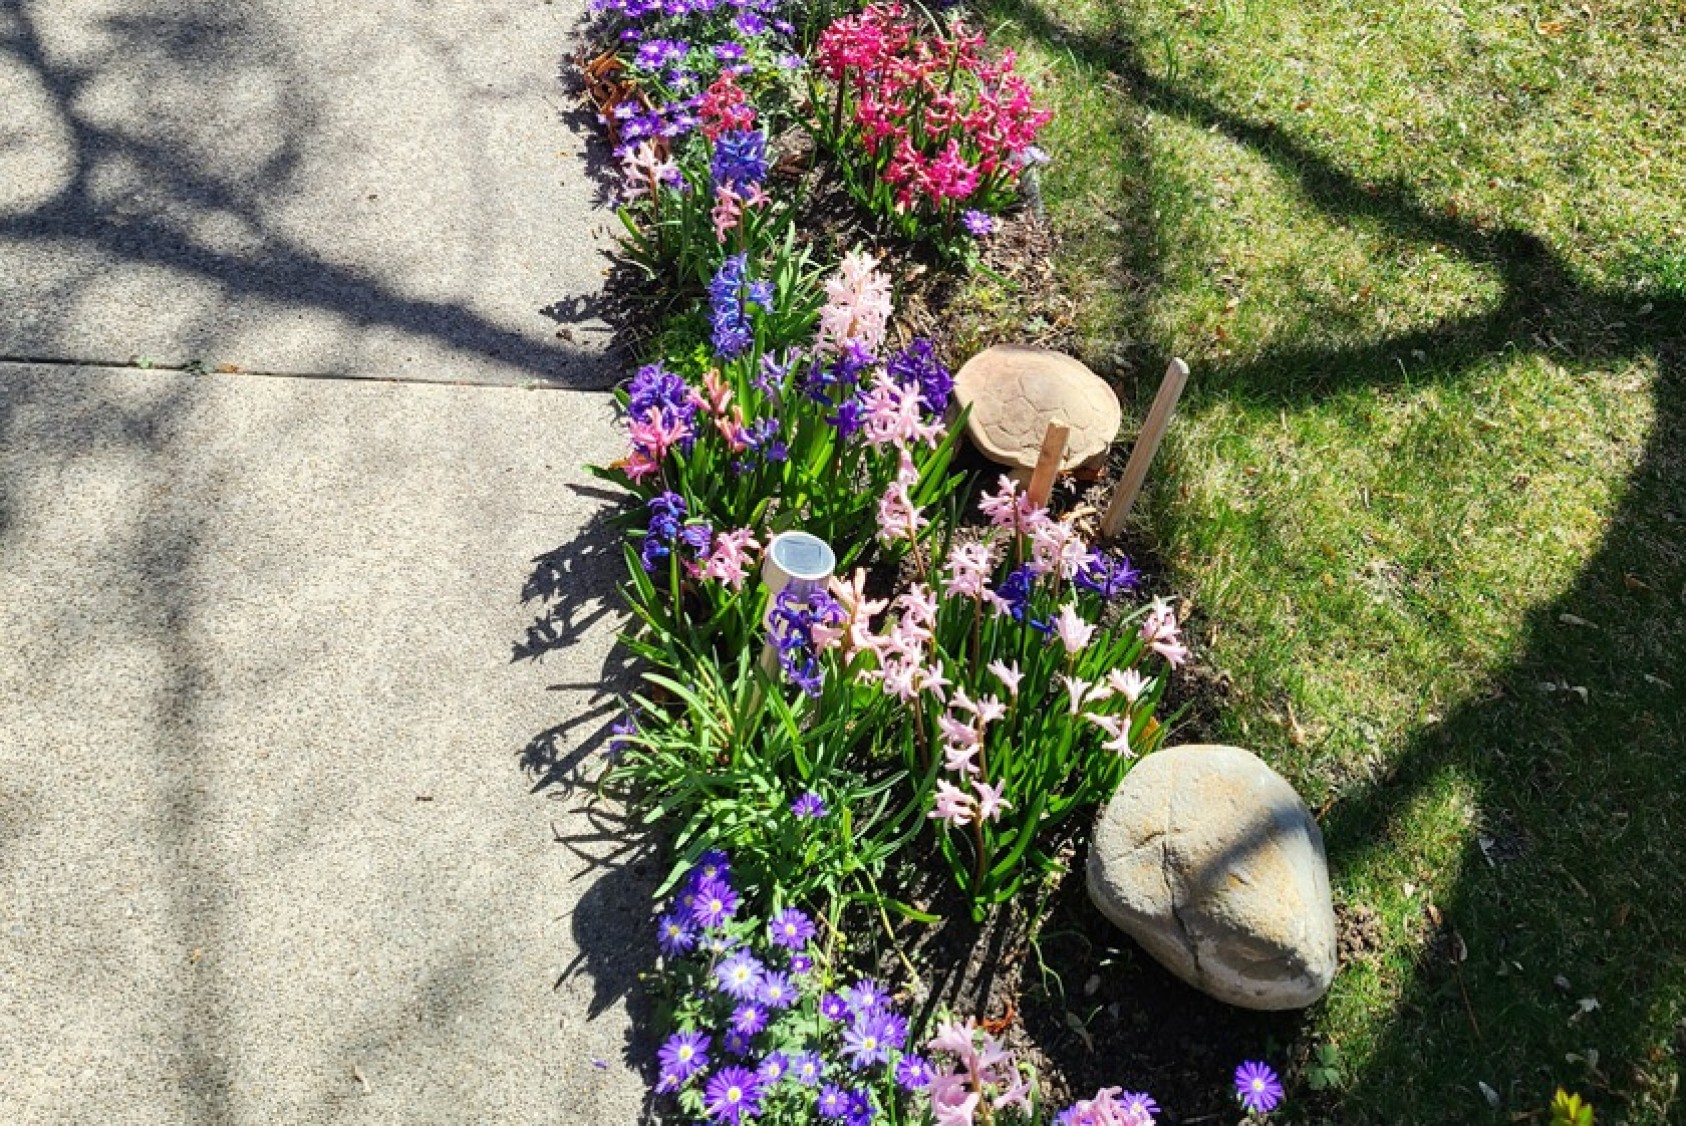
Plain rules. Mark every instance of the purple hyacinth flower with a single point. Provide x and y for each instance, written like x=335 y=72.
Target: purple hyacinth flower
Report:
x=684 y=1055
x=1257 y=1086
x=791 y=929
x=740 y=976
x=732 y=1094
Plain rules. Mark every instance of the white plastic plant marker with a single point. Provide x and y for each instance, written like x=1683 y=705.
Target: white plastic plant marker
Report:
x=793 y=559
x=797 y=559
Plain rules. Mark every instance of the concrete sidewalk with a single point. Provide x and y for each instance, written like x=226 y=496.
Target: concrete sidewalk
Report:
x=267 y=854
x=302 y=186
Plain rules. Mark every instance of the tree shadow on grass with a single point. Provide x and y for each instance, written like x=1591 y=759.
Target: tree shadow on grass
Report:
x=1568 y=888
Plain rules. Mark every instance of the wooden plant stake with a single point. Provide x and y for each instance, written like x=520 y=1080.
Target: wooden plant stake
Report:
x=1147 y=445
x=1048 y=463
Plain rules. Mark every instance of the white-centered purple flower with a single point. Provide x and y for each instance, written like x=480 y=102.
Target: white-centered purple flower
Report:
x=740 y=976
x=684 y=1055
x=791 y=929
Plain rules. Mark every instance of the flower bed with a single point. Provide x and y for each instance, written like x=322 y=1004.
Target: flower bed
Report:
x=972 y=678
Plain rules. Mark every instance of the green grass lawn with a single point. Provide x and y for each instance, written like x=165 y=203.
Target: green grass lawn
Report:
x=1427 y=492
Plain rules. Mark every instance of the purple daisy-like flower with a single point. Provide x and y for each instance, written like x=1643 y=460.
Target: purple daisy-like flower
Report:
x=1257 y=1086
x=914 y=1073
x=732 y=1094
x=740 y=976
x=866 y=996
x=977 y=223
x=833 y=1007
x=810 y=805
x=736 y=1043
x=776 y=991
x=676 y=934
x=684 y=1055
x=800 y=964
x=807 y=1068
x=871 y=1038
x=791 y=929
x=833 y=1102
x=774 y=1068
x=749 y=1018
x=712 y=865
x=1138 y=1103
x=715 y=903
x=860 y=1110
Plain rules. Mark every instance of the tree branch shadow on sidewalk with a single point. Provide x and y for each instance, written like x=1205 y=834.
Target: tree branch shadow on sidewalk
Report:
x=179 y=207
x=1558 y=775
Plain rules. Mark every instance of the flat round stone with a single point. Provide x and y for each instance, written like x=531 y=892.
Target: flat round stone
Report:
x=1016 y=390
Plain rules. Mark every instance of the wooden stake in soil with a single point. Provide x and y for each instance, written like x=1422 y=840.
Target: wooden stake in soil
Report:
x=1147 y=445
x=1048 y=463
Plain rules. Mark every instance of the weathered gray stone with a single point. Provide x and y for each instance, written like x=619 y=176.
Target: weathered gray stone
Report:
x=1210 y=860
x=1015 y=391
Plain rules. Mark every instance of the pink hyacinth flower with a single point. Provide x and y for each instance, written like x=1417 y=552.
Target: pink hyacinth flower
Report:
x=990 y=802
x=1160 y=631
x=1008 y=675
x=953 y=805
x=1074 y=633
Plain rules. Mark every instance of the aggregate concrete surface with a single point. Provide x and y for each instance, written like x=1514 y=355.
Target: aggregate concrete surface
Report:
x=267 y=851
x=299 y=186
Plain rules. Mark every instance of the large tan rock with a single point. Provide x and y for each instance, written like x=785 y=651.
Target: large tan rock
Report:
x=1016 y=390
x=1210 y=860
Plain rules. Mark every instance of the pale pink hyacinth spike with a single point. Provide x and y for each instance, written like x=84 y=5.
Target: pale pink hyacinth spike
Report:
x=968 y=568
x=1015 y=1094
x=1078 y=689
x=990 y=801
x=1008 y=675
x=1128 y=683
x=643 y=170
x=932 y=680
x=1010 y=508
x=1074 y=633
x=1160 y=631
x=919 y=605
x=959 y=760
x=729 y=560
x=898 y=518
x=1056 y=546
x=957 y=731
x=1117 y=728
x=956 y=1039
x=989 y=710
x=953 y=805
x=953 y=1102
x=857 y=308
